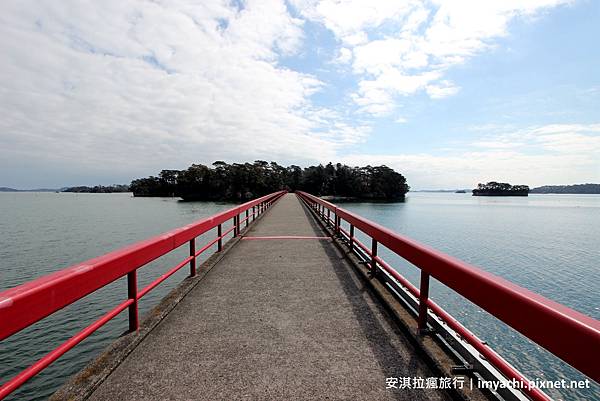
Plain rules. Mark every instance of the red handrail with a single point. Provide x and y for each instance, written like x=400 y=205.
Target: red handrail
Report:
x=28 y=303
x=572 y=336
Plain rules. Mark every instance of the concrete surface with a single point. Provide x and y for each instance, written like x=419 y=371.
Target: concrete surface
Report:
x=283 y=319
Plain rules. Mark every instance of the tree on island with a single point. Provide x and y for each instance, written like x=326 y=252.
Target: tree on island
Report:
x=494 y=188
x=98 y=189
x=245 y=181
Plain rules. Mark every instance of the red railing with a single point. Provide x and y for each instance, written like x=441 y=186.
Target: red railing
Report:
x=28 y=303
x=568 y=334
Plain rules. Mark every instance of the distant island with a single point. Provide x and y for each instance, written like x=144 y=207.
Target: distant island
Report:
x=546 y=189
x=493 y=188
x=6 y=189
x=312 y=179
x=567 y=189
x=240 y=182
x=98 y=189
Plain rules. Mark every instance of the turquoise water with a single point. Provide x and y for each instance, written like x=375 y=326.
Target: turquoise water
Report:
x=547 y=243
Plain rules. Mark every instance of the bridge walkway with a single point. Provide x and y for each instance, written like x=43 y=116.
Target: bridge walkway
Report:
x=276 y=318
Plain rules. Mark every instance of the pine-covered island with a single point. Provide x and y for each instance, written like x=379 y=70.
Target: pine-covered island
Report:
x=494 y=188
x=241 y=182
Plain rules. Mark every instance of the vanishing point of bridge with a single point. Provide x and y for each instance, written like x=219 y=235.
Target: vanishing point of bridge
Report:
x=294 y=306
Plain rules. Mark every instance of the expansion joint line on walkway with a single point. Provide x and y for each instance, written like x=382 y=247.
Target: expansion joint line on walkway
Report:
x=283 y=237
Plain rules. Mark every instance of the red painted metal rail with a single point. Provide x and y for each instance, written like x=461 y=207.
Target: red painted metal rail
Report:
x=29 y=303
x=568 y=334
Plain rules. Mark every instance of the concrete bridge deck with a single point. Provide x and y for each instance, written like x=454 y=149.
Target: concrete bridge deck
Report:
x=274 y=319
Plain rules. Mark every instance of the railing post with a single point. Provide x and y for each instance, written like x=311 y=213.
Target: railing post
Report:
x=234 y=226
x=423 y=296
x=193 y=255
x=373 y=257
x=351 y=237
x=328 y=217
x=132 y=294
x=220 y=242
x=253 y=213
x=337 y=224
x=247 y=214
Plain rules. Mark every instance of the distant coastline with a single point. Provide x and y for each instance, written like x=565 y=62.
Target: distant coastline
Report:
x=567 y=189
x=545 y=189
x=6 y=189
x=98 y=189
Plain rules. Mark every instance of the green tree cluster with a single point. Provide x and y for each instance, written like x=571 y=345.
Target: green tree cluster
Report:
x=98 y=189
x=245 y=181
x=494 y=188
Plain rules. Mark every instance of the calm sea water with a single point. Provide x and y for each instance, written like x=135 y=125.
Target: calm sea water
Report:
x=547 y=243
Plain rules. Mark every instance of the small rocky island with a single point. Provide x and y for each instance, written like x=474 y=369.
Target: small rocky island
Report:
x=493 y=188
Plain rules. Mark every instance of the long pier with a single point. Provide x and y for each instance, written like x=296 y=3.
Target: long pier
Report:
x=295 y=306
x=281 y=316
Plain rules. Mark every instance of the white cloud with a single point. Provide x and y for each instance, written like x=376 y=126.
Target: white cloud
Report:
x=125 y=88
x=131 y=87
x=441 y=90
x=344 y=56
x=497 y=144
x=565 y=138
x=405 y=47
x=555 y=138
x=539 y=155
x=349 y=20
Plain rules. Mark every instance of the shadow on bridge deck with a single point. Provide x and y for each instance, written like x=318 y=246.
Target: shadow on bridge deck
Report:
x=274 y=319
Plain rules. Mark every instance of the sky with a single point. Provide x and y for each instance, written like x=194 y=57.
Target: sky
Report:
x=449 y=93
